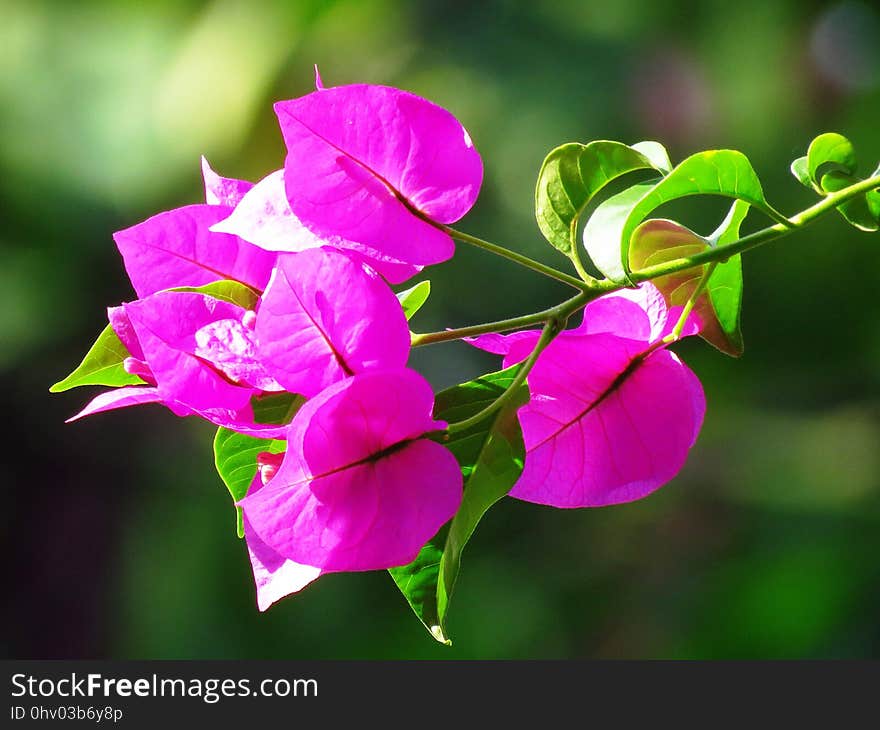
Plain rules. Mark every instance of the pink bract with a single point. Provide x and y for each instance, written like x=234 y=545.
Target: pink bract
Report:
x=378 y=166
x=176 y=248
x=324 y=317
x=226 y=191
x=360 y=488
x=608 y=420
x=263 y=217
x=189 y=347
x=274 y=575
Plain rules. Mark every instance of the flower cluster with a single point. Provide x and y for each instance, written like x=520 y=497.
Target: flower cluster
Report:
x=307 y=256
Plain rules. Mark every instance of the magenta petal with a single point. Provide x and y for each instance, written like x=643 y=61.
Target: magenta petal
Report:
x=175 y=248
x=359 y=488
x=413 y=145
x=515 y=347
x=609 y=433
x=166 y=325
x=225 y=191
x=274 y=575
x=362 y=160
x=124 y=331
x=119 y=398
x=231 y=348
x=325 y=316
x=264 y=218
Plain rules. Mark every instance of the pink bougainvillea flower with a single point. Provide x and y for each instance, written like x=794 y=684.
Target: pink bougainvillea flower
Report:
x=325 y=316
x=177 y=248
x=226 y=191
x=263 y=217
x=360 y=487
x=197 y=356
x=378 y=166
x=274 y=575
x=612 y=415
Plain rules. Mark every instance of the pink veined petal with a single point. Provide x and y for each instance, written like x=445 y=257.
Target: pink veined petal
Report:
x=502 y=344
x=166 y=324
x=610 y=432
x=124 y=331
x=219 y=190
x=359 y=489
x=133 y=395
x=176 y=248
x=324 y=317
x=263 y=217
x=274 y=575
x=363 y=159
x=231 y=348
x=418 y=148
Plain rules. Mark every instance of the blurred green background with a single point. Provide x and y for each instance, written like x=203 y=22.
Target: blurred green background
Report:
x=120 y=537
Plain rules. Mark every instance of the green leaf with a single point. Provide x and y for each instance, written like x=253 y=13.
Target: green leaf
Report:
x=276 y=407
x=227 y=290
x=572 y=174
x=801 y=172
x=830 y=152
x=413 y=298
x=102 y=365
x=418 y=582
x=235 y=457
x=726 y=173
x=235 y=454
x=829 y=166
x=491 y=455
x=657 y=240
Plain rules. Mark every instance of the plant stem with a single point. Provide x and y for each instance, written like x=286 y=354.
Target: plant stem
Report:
x=555 y=318
x=551 y=328
x=518 y=258
x=579 y=265
x=722 y=253
x=563 y=310
x=689 y=304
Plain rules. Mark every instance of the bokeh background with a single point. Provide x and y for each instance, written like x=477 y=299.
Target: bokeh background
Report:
x=119 y=537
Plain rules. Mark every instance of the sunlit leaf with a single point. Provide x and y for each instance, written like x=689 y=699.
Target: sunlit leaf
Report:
x=235 y=455
x=657 y=240
x=572 y=175
x=830 y=166
x=413 y=298
x=102 y=365
x=726 y=173
x=233 y=292
x=830 y=152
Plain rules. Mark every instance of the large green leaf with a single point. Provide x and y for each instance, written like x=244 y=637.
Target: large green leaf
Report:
x=727 y=173
x=102 y=365
x=413 y=298
x=572 y=174
x=658 y=240
x=235 y=455
x=491 y=455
